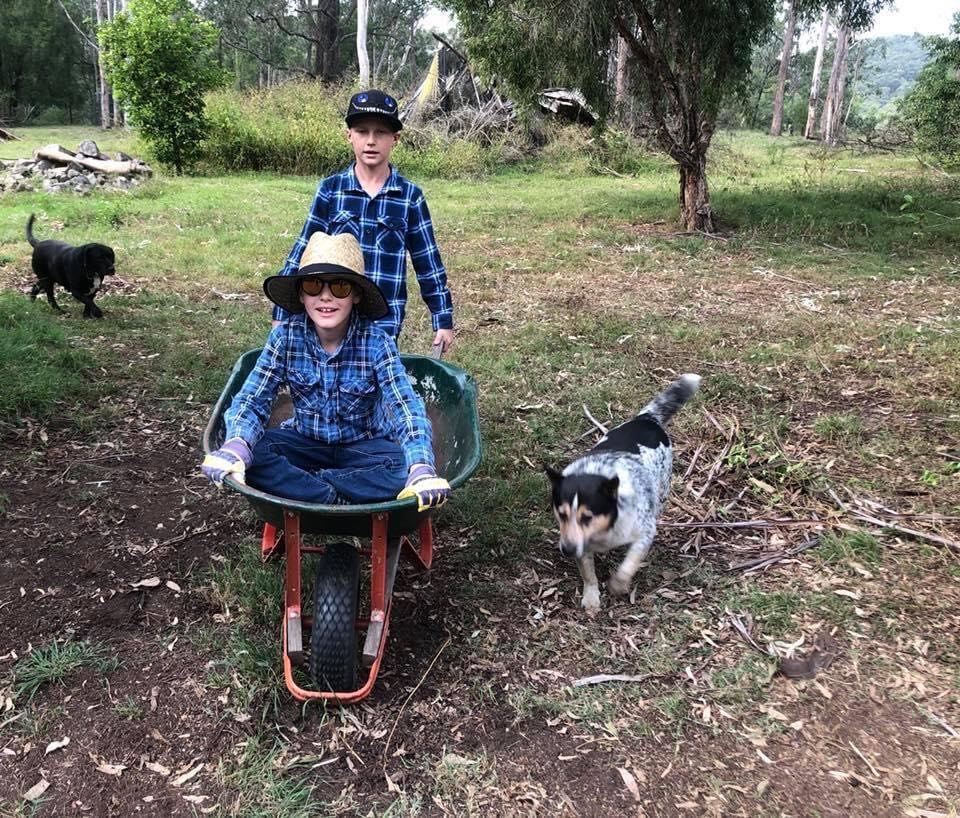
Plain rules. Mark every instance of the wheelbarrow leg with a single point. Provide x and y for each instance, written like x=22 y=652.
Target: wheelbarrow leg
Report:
x=294 y=629
x=270 y=544
x=383 y=572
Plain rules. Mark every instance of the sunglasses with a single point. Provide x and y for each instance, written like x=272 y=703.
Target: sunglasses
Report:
x=339 y=287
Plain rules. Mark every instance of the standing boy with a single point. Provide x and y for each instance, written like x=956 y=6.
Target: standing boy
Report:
x=360 y=434
x=386 y=213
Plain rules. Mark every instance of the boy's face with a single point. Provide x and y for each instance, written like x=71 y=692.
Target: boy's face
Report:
x=330 y=313
x=371 y=140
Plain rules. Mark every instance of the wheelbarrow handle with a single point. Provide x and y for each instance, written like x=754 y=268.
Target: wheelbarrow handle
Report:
x=437 y=351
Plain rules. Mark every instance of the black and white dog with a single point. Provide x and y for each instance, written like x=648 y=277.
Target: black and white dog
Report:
x=612 y=496
x=79 y=270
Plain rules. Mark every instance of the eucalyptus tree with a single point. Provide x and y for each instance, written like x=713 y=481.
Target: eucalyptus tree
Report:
x=932 y=108
x=46 y=61
x=685 y=57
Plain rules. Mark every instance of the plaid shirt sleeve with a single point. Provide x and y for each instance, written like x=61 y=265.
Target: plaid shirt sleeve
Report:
x=316 y=220
x=427 y=263
x=405 y=408
x=250 y=410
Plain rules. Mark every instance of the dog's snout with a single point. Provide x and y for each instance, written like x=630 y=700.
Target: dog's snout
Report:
x=568 y=549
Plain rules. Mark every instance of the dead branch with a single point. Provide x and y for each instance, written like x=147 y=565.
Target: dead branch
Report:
x=54 y=153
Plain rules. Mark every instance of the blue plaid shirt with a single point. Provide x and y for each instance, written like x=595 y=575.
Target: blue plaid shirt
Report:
x=359 y=392
x=387 y=226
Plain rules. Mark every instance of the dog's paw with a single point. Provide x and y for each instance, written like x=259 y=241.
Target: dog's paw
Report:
x=620 y=584
x=590 y=601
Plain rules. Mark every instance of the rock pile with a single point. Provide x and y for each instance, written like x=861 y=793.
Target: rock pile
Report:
x=57 y=170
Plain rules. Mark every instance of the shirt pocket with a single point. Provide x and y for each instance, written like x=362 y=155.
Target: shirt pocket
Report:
x=344 y=221
x=357 y=400
x=306 y=389
x=390 y=230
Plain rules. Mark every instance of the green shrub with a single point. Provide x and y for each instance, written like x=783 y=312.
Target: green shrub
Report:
x=576 y=149
x=298 y=128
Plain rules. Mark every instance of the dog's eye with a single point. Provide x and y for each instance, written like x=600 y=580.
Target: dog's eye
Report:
x=585 y=518
x=562 y=516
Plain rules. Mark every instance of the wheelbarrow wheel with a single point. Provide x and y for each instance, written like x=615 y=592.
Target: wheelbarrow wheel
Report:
x=333 y=638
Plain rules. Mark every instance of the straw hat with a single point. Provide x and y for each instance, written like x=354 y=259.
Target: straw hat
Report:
x=328 y=257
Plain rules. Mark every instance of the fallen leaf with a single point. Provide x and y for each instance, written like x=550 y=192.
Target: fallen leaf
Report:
x=57 y=745
x=172 y=586
x=157 y=768
x=149 y=582
x=36 y=790
x=105 y=767
x=179 y=781
x=630 y=783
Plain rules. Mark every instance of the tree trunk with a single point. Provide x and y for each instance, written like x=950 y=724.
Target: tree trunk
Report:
x=809 y=130
x=776 y=124
x=326 y=26
x=406 y=51
x=620 y=94
x=101 y=12
x=857 y=65
x=695 y=197
x=833 y=104
x=363 y=59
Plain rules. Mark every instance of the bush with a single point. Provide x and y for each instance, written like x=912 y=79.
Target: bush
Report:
x=931 y=111
x=576 y=149
x=298 y=128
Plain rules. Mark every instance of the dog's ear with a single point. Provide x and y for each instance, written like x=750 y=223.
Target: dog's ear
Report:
x=553 y=474
x=609 y=487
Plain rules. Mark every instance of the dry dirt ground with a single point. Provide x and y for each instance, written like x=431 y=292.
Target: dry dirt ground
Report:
x=489 y=702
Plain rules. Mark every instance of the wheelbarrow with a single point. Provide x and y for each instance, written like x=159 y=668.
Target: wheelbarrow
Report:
x=327 y=642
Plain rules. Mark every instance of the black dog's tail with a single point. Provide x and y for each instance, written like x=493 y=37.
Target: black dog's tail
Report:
x=665 y=405
x=30 y=238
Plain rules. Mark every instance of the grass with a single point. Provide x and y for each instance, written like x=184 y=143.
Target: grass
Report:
x=257 y=783
x=56 y=662
x=820 y=320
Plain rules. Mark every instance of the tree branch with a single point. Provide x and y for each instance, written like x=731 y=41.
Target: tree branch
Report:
x=80 y=31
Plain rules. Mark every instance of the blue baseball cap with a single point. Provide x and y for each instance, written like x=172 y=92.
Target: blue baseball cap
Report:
x=374 y=103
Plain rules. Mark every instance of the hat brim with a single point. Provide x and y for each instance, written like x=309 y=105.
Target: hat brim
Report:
x=284 y=291
x=392 y=121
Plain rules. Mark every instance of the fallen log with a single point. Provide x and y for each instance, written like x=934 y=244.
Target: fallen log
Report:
x=55 y=153
x=10 y=135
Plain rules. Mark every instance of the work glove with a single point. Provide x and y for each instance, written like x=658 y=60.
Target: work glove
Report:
x=422 y=482
x=232 y=457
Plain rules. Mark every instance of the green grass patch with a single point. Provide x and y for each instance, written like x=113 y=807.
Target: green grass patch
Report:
x=39 y=366
x=56 y=662
x=839 y=428
x=858 y=546
x=259 y=783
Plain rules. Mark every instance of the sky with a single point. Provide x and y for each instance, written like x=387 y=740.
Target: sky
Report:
x=906 y=17
x=915 y=16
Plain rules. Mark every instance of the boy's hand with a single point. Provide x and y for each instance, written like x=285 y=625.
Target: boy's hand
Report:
x=232 y=457
x=422 y=482
x=444 y=337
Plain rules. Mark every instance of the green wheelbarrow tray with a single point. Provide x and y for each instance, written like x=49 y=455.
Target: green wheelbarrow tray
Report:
x=450 y=397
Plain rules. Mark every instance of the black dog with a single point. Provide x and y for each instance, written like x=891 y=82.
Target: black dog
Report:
x=79 y=270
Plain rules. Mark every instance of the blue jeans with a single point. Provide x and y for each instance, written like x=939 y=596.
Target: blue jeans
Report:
x=290 y=465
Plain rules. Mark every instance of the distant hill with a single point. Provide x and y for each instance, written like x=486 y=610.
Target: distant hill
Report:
x=891 y=66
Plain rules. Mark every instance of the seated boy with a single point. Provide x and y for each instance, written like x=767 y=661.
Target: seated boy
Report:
x=360 y=434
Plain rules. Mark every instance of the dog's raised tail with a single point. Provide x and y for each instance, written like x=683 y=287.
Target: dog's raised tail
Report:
x=30 y=238
x=665 y=405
